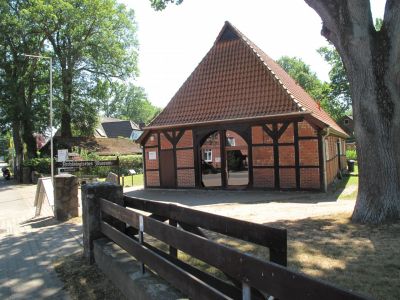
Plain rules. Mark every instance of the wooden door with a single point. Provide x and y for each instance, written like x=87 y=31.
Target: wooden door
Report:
x=167 y=169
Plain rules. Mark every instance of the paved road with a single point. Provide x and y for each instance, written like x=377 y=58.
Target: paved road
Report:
x=28 y=246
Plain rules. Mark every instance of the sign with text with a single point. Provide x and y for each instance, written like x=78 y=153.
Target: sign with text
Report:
x=152 y=155
x=87 y=163
x=62 y=155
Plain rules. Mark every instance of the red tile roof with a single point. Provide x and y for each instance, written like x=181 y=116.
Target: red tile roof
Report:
x=237 y=80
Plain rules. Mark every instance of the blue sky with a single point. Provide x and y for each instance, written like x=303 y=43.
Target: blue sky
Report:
x=173 y=41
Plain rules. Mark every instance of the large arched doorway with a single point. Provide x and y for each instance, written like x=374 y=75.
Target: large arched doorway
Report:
x=224 y=160
x=237 y=163
x=210 y=153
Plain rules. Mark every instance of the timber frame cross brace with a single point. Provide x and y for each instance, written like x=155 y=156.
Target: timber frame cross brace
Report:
x=275 y=134
x=174 y=139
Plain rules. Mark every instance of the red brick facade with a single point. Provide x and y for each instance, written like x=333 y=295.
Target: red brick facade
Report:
x=265 y=172
x=332 y=156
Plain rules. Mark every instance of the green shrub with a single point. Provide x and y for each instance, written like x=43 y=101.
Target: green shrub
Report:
x=41 y=165
x=126 y=162
x=351 y=154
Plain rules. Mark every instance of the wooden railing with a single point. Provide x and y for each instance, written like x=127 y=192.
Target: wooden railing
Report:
x=249 y=277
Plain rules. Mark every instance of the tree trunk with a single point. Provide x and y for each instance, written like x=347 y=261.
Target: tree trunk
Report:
x=19 y=150
x=66 y=129
x=371 y=60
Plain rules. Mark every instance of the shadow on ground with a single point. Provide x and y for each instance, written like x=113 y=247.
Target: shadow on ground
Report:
x=363 y=258
x=26 y=258
x=194 y=197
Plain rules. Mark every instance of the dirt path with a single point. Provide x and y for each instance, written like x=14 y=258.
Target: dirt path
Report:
x=254 y=206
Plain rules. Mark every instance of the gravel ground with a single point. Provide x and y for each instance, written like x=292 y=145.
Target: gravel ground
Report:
x=254 y=206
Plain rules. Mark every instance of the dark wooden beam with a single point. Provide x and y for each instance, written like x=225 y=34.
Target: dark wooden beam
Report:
x=175 y=275
x=321 y=161
x=273 y=238
x=179 y=136
x=296 y=153
x=224 y=175
x=276 y=156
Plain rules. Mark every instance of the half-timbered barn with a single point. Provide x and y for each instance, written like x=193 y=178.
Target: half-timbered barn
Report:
x=241 y=121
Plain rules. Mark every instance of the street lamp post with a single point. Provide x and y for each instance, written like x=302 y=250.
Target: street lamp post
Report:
x=51 y=109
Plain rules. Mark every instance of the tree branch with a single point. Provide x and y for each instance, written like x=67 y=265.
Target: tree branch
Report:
x=391 y=24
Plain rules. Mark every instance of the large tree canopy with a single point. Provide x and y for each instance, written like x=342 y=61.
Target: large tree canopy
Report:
x=125 y=101
x=93 y=40
x=323 y=92
x=23 y=96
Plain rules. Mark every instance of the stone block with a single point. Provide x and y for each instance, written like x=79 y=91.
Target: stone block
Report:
x=66 y=201
x=91 y=215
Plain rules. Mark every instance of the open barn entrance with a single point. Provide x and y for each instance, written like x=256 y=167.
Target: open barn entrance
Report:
x=236 y=150
x=224 y=160
x=211 y=174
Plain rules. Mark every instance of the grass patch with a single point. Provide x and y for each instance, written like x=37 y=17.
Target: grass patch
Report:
x=347 y=188
x=363 y=258
x=358 y=257
x=131 y=180
x=84 y=281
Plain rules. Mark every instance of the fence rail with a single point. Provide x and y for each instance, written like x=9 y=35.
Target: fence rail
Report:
x=253 y=278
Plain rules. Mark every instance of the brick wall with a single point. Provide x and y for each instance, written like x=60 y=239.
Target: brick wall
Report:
x=165 y=143
x=259 y=136
x=286 y=156
x=152 y=174
x=288 y=135
x=305 y=129
x=263 y=155
x=184 y=159
x=186 y=140
x=287 y=178
x=332 y=158
x=186 y=178
x=309 y=178
x=263 y=178
x=152 y=178
x=308 y=153
x=151 y=164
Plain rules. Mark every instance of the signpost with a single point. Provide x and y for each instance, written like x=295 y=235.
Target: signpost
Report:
x=69 y=166
x=44 y=190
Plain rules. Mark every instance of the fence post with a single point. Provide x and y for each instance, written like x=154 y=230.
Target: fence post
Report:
x=173 y=251
x=246 y=291
x=279 y=254
x=91 y=214
x=141 y=231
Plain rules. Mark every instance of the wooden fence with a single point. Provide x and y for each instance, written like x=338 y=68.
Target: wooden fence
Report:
x=247 y=277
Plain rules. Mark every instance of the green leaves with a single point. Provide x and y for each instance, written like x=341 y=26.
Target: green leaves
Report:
x=334 y=96
x=125 y=101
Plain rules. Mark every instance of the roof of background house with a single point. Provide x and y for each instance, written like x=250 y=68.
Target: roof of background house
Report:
x=101 y=146
x=237 y=80
x=117 y=128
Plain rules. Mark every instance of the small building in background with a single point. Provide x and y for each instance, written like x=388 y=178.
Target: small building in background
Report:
x=116 y=128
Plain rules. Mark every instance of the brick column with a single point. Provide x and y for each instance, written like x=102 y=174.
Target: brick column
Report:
x=91 y=216
x=65 y=197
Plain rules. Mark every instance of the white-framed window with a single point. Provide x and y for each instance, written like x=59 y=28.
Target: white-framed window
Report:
x=207 y=155
x=231 y=141
x=346 y=121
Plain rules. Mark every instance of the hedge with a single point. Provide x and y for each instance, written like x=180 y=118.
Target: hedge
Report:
x=127 y=162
